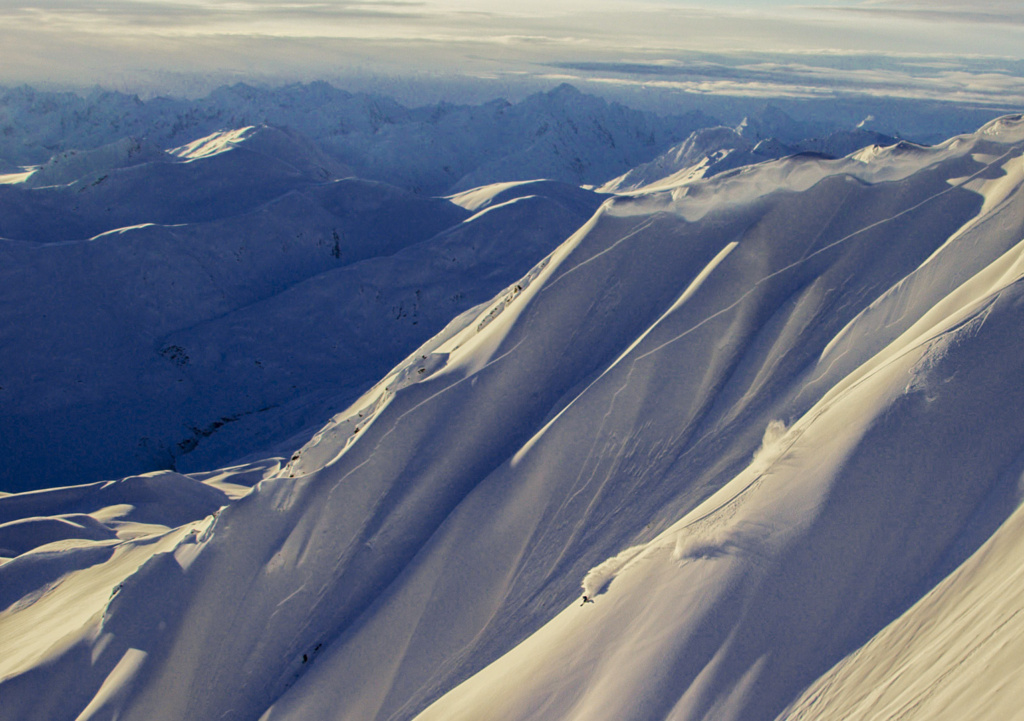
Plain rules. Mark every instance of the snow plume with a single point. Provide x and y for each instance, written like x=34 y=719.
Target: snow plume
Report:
x=742 y=538
x=597 y=579
x=710 y=545
x=772 y=447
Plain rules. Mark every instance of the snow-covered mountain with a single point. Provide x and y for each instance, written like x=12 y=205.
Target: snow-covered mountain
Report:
x=561 y=134
x=145 y=275
x=185 y=308
x=705 y=153
x=710 y=151
x=748 y=448
x=37 y=124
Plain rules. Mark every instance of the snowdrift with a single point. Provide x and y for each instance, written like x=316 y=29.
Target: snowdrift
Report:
x=767 y=422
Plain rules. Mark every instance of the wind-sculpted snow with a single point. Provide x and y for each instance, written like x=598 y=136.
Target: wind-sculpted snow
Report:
x=879 y=486
x=768 y=421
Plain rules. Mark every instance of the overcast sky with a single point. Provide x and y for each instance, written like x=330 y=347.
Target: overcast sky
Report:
x=758 y=46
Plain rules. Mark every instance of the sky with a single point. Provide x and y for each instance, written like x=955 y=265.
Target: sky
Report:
x=731 y=47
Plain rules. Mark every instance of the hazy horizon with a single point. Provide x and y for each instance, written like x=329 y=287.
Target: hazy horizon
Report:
x=744 y=48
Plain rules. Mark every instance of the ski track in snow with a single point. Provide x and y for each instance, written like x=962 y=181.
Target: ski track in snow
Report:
x=795 y=432
x=803 y=259
x=639 y=228
x=973 y=322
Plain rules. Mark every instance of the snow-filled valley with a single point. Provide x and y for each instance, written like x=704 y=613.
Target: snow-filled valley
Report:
x=737 y=437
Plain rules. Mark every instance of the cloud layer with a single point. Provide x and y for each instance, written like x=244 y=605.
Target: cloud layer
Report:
x=915 y=48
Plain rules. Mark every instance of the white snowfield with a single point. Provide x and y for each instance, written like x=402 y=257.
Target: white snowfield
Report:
x=768 y=423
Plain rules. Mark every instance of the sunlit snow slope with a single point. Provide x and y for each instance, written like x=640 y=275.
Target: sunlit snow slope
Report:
x=768 y=423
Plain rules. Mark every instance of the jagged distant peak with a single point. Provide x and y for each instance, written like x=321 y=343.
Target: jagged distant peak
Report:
x=717 y=136
x=317 y=90
x=704 y=153
x=240 y=90
x=565 y=90
x=770 y=112
x=562 y=96
x=771 y=122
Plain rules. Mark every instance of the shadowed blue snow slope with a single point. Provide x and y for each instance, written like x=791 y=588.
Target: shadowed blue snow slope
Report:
x=69 y=166
x=140 y=346
x=91 y=387
x=253 y=167
x=757 y=418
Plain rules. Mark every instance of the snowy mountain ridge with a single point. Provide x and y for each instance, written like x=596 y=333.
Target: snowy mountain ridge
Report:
x=710 y=151
x=767 y=422
x=561 y=134
x=140 y=300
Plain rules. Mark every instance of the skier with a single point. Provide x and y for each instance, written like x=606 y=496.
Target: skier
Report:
x=586 y=600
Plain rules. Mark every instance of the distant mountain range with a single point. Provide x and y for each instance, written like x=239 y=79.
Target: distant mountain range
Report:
x=560 y=135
